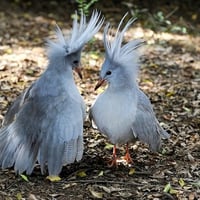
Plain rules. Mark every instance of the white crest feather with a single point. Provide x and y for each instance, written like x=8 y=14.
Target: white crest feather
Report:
x=115 y=50
x=84 y=32
x=80 y=34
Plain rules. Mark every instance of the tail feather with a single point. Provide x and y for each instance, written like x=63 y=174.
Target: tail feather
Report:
x=55 y=159
x=80 y=148
x=15 y=152
x=43 y=155
x=73 y=151
x=69 y=155
x=22 y=150
x=9 y=144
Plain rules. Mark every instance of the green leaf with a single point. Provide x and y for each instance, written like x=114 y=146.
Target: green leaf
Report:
x=109 y=146
x=181 y=182
x=94 y=56
x=24 y=177
x=53 y=178
x=19 y=196
x=167 y=188
x=81 y=174
x=172 y=191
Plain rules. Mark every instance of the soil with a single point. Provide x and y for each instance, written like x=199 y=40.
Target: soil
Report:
x=169 y=75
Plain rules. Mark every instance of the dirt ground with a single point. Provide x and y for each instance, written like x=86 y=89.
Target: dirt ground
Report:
x=170 y=76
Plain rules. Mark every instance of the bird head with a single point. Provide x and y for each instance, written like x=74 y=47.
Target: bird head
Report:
x=68 y=50
x=121 y=60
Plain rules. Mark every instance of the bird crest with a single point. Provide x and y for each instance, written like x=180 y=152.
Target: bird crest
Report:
x=116 y=51
x=80 y=34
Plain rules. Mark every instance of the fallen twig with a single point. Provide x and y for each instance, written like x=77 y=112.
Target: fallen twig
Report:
x=105 y=182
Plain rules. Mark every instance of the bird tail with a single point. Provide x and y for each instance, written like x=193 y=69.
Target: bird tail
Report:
x=15 y=152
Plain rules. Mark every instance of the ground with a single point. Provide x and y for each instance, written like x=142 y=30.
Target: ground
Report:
x=169 y=75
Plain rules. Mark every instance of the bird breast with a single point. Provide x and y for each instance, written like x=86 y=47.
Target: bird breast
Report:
x=113 y=114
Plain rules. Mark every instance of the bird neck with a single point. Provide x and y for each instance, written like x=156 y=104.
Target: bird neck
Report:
x=123 y=87
x=62 y=71
x=125 y=83
x=59 y=65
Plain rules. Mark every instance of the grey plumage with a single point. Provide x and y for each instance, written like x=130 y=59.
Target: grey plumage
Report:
x=123 y=112
x=45 y=123
x=15 y=107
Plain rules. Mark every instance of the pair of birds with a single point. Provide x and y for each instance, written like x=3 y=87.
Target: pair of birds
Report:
x=45 y=123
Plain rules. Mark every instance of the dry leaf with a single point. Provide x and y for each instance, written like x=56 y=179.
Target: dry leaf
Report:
x=131 y=171
x=81 y=174
x=98 y=195
x=192 y=196
x=53 y=178
x=101 y=173
x=172 y=191
x=181 y=182
x=32 y=197
x=19 y=196
x=69 y=185
x=125 y=194
x=106 y=189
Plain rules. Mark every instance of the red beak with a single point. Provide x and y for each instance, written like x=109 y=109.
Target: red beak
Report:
x=99 y=83
x=78 y=71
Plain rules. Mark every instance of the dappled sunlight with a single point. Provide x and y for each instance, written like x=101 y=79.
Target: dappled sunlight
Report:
x=169 y=75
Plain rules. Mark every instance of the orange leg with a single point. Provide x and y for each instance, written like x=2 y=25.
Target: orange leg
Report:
x=113 y=162
x=127 y=156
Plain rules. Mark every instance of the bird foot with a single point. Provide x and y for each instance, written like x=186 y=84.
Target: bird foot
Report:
x=128 y=158
x=112 y=162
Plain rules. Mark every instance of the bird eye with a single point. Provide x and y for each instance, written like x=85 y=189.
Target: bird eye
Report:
x=108 y=73
x=75 y=62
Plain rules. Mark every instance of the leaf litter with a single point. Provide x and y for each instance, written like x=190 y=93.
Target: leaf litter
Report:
x=170 y=71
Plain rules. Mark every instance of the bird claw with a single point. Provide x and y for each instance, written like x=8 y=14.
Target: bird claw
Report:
x=112 y=162
x=128 y=158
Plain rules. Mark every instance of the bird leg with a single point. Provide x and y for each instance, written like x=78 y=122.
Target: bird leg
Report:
x=113 y=162
x=127 y=156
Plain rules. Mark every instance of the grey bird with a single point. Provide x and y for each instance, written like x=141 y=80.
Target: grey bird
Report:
x=123 y=112
x=45 y=123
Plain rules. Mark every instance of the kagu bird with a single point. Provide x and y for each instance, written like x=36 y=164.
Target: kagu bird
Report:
x=123 y=112
x=45 y=123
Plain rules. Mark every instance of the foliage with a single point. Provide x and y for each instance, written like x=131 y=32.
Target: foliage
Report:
x=163 y=22
x=84 y=5
x=157 y=21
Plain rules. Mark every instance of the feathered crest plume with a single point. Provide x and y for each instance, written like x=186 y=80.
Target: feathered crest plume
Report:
x=80 y=34
x=115 y=50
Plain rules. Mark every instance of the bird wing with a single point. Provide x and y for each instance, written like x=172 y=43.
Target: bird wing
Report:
x=145 y=126
x=14 y=136
x=45 y=128
x=62 y=142
x=15 y=107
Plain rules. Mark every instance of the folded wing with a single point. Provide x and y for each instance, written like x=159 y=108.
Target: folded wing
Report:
x=145 y=126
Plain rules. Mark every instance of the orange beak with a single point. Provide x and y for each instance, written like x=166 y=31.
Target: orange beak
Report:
x=78 y=71
x=99 y=83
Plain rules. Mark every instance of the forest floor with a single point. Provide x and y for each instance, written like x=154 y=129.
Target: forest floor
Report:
x=169 y=75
